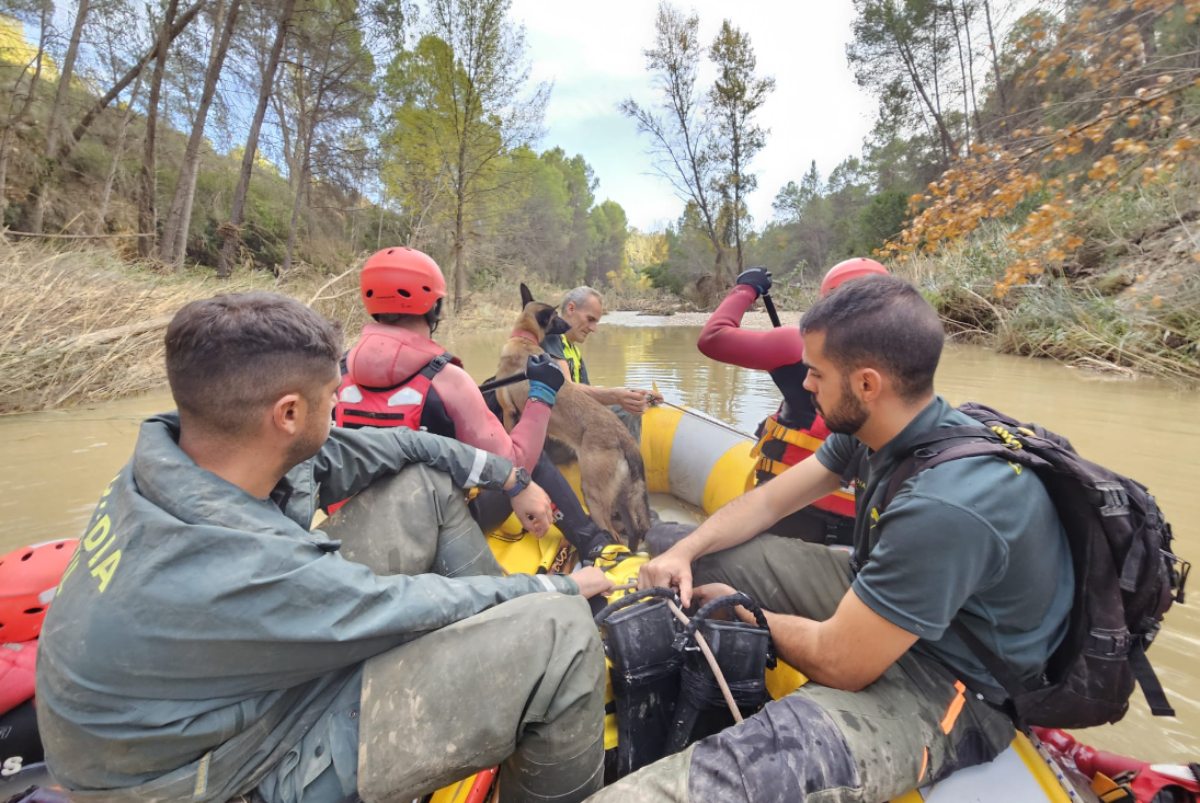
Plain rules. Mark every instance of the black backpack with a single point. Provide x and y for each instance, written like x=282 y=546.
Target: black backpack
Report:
x=1126 y=576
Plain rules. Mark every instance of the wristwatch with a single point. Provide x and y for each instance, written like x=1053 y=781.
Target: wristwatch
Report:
x=521 y=483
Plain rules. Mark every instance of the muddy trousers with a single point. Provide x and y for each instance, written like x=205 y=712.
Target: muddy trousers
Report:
x=914 y=725
x=520 y=685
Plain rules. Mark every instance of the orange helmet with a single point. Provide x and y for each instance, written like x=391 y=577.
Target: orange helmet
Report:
x=29 y=577
x=843 y=272
x=401 y=281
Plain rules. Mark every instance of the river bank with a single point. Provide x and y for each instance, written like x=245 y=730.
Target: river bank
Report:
x=84 y=325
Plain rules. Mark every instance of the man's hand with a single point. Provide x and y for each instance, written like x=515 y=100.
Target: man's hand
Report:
x=533 y=509
x=591 y=581
x=671 y=569
x=545 y=377
x=633 y=400
x=758 y=278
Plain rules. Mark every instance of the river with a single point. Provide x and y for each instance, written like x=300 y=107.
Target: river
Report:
x=56 y=463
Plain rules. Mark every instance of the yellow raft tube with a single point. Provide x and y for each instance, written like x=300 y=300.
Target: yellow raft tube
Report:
x=703 y=463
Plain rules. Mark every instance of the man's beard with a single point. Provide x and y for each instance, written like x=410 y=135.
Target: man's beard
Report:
x=849 y=416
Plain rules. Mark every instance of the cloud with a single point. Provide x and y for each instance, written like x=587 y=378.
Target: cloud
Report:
x=593 y=53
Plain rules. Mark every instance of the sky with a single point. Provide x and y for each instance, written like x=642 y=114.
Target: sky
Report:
x=593 y=54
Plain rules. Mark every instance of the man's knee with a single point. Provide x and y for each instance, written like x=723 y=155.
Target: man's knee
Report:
x=788 y=751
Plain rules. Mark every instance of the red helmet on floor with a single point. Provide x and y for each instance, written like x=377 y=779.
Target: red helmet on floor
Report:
x=29 y=577
x=843 y=272
x=402 y=281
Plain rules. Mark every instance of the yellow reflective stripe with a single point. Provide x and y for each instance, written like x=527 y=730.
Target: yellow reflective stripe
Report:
x=574 y=356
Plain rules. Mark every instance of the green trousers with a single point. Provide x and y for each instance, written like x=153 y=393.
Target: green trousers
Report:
x=913 y=725
x=520 y=685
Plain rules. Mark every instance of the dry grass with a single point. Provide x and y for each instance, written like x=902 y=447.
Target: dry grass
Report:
x=84 y=326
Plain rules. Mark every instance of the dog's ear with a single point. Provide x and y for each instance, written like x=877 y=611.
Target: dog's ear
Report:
x=526 y=296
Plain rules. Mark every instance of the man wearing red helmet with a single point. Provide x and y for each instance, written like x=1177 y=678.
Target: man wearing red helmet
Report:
x=397 y=375
x=796 y=429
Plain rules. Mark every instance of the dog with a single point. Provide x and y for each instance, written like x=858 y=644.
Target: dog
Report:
x=613 y=477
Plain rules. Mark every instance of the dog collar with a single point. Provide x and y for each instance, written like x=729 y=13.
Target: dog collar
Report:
x=527 y=335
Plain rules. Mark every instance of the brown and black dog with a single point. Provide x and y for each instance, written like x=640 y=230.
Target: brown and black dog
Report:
x=610 y=463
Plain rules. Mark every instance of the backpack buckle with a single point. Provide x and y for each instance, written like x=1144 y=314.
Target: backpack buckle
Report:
x=1115 y=502
x=1110 y=643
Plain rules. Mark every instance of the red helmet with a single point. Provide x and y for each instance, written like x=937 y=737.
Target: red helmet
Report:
x=843 y=272
x=28 y=579
x=401 y=281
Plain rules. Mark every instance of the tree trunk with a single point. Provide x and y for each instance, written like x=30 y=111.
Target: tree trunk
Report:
x=118 y=152
x=57 y=110
x=962 y=67
x=23 y=109
x=297 y=200
x=987 y=12
x=231 y=231
x=147 y=209
x=179 y=217
x=971 y=69
x=937 y=88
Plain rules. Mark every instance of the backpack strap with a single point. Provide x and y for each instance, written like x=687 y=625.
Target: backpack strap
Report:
x=1156 y=698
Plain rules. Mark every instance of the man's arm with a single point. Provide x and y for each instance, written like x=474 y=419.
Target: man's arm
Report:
x=475 y=424
x=848 y=651
x=738 y=522
x=723 y=339
x=351 y=460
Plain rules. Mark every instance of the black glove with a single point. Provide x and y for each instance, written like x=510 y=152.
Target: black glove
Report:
x=542 y=368
x=758 y=278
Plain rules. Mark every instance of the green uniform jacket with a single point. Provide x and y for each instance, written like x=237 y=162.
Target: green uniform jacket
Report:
x=200 y=631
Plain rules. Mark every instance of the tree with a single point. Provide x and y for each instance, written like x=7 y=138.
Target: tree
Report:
x=147 y=210
x=464 y=108
x=20 y=97
x=230 y=231
x=56 y=120
x=326 y=87
x=609 y=233
x=179 y=216
x=735 y=96
x=681 y=130
x=900 y=37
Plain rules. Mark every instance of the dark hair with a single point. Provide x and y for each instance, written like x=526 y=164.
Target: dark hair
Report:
x=230 y=355
x=881 y=322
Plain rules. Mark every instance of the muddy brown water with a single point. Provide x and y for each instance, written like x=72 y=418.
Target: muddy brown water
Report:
x=55 y=464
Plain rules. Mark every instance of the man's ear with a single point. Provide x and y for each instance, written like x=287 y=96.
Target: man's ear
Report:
x=287 y=414
x=867 y=383
x=526 y=296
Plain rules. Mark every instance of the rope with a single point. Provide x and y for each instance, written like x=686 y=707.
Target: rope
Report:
x=708 y=418
x=712 y=663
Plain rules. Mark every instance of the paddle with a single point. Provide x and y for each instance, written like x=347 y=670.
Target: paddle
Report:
x=769 y=303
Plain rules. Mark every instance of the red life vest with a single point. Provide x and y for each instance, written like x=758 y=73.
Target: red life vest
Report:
x=788 y=447
x=380 y=388
x=401 y=405
x=16 y=674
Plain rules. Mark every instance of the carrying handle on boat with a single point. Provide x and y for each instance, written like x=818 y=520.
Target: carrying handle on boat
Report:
x=731 y=601
x=608 y=610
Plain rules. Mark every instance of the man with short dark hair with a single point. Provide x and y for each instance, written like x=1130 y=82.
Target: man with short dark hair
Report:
x=895 y=699
x=205 y=644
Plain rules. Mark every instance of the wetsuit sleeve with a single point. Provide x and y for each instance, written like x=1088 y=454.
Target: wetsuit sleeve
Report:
x=724 y=340
x=351 y=460
x=474 y=423
x=903 y=585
